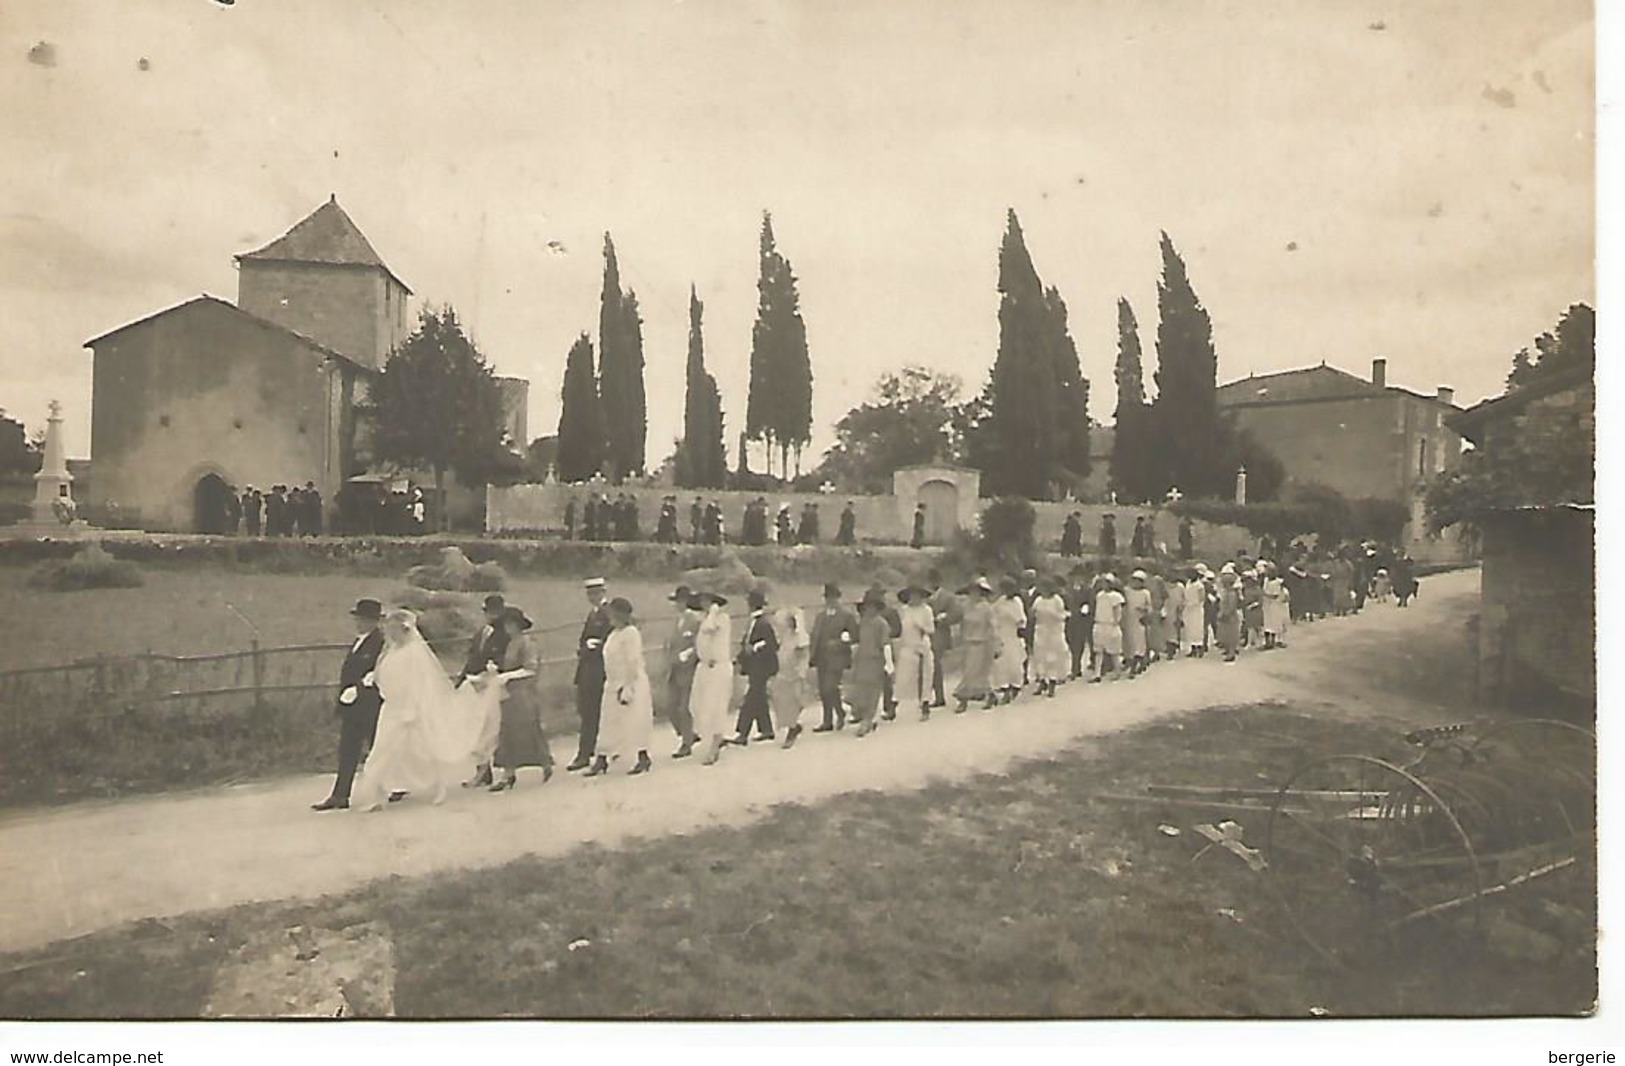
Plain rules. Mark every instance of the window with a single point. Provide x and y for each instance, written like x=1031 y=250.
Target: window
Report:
x=1422 y=457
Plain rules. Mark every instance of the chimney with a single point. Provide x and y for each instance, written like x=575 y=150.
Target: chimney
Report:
x=1447 y=394
x=1379 y=373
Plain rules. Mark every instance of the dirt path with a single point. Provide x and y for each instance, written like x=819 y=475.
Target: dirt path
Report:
x=75 y=870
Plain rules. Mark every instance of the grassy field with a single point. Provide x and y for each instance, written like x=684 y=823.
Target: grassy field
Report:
x=66 y=737
x=186 y=612
x=1006 y=896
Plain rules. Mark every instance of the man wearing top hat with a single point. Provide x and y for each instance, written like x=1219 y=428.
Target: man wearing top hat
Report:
x=834 y=631
x=589 y=676
x=487 y=647
x=682 y=660
x=358 y=702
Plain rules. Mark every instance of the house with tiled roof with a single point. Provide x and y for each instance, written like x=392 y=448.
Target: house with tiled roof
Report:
x=1360 y=436
x=207 y=398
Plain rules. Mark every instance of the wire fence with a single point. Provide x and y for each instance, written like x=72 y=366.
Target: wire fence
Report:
x=298 y=681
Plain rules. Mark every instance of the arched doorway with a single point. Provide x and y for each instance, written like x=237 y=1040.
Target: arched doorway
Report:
x=941 y=499
x=211 y=504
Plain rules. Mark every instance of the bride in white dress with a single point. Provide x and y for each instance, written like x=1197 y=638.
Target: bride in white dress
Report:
x=427 y=730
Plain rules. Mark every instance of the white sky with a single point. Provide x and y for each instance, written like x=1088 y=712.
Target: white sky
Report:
x=1435 y=175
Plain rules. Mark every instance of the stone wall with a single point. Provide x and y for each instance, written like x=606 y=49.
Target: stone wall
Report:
x=1537 y=630
x=356 y=311
x=881 y=519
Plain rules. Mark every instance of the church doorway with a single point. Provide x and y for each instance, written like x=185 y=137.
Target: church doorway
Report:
x=211 y=504
x=941 y=499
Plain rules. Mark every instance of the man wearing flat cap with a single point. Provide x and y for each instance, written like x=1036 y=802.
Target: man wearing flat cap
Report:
x=589 y=676
x=358 y=702
x=834 y=631
x=759 y=664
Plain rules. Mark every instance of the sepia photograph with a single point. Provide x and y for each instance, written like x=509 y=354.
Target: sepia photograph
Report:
x=796 y=511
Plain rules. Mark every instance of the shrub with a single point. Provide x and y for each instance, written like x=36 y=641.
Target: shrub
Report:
x=91 y=568
x=454 y=572
x=1003 y=540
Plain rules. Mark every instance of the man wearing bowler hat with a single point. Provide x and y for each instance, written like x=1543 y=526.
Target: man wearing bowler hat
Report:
x=681 y=662
x=487 y=647
x=589 y=677
x=834 y=631
x=358 y=702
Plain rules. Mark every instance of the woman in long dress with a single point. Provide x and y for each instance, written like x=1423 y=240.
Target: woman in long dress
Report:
x=871 y=661
x=1136 y=612
x=427 y=730
x=1052 y=658
x=1277 y=608
x=1193 y=616
x=627 y=711
x=520 y=740
x=713 y=687
x=976 y=637
x=1010 y=658
x=790 y=690
x=1227 y=626
x=911 y=651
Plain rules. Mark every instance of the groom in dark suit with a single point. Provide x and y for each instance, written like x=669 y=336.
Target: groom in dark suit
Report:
x=358 y=702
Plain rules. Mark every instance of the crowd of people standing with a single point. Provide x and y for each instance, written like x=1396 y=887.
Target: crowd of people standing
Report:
x=601 y=517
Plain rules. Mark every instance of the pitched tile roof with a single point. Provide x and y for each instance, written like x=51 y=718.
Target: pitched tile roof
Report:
x=1308 y=383
x=204 y=300
x=326 y=235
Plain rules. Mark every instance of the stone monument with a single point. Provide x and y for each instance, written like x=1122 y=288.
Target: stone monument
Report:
x=54 y=511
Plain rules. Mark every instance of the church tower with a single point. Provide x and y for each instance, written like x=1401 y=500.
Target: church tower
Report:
x=322 y=279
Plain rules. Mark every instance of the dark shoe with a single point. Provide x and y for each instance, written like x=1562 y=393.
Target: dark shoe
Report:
x=397 y=796
x=599 y=767
x=505 y=784
x=790 y=737
x=684 y=750
x=481 y=777
x=739 y=741
x=825 y=728
x=890 y=714
x=331 y=804
x=547 y=774
x=763 y=736
x=578 y=764
x=643 y=765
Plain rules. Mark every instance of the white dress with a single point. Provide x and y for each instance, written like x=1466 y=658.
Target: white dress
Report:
x=912 y=653
x=713 y=679
x=427 y=730
x=627 y=710
x=1193 y=621
x=1009 y=616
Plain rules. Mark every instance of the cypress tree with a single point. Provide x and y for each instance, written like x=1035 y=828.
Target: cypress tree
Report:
x=631 y=438
x=1071 y=391
x=778 y=407
x=581 y=419
x=1185 y=415
x=701 y=460
x=620 y=370
x=1022 y=422
x=1132 y=442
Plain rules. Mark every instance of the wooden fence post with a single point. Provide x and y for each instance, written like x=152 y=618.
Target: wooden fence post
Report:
x=258 y=664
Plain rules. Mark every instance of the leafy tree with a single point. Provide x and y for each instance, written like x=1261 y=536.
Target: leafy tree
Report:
x=581 y=418
x=1522 y=369
x=778 y=408
x=620 y=352
x=1572 y=342
x=908 y=420
x=437 y=404
x=701 y=459
x=1545 y=456
x=1133 y=443
x=16 y=456
x=1185 y=413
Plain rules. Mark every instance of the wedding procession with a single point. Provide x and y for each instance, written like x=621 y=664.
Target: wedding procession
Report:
x=410 y=728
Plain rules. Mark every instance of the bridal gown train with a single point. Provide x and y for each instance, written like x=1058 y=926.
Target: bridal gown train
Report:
x=427 y=729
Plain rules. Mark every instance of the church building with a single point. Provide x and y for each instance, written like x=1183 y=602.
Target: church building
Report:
x=209 y=397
